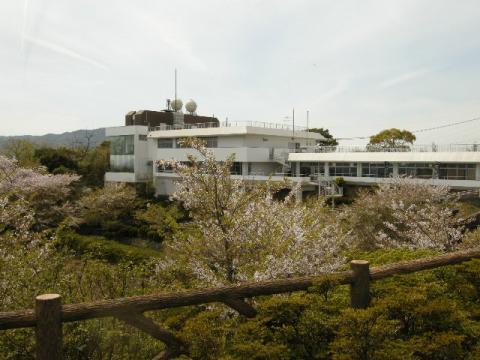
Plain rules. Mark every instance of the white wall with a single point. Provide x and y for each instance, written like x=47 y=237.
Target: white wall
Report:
x=241 y=154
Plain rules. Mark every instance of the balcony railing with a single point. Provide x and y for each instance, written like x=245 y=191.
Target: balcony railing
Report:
x=411 y=148
x=258 y=124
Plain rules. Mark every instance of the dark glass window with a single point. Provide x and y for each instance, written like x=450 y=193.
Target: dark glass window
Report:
x=121 y=145
x=165 y=143
x=236 y=168
x=456 y=171
x=343 y=169
x=379 y=170
x=416 y=170
x=312 y=168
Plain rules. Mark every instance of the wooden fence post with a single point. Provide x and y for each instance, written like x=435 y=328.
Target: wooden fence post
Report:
x=360 y=288
x=48 y=330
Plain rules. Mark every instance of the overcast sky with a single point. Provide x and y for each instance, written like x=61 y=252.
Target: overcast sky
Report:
x=358 y=66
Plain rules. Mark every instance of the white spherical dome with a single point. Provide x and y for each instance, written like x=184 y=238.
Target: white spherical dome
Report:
x=191 y=106
x=177 y=104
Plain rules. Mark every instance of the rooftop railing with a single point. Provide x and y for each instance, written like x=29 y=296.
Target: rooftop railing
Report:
x=227 y=124
x=411 y=148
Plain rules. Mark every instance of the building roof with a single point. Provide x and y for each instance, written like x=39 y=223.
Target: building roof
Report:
x=233 y=130
x=394 y=157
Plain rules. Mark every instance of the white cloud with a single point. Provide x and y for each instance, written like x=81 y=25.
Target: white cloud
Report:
x=245 y=59
x=66 y=52
x=403 y=78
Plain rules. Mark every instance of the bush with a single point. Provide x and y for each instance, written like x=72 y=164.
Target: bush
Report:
x=340 y=181
x=99 y=247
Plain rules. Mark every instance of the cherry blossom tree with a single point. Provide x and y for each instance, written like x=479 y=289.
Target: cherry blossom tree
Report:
x=404 y=213
x=240 y=232
x=46 y=194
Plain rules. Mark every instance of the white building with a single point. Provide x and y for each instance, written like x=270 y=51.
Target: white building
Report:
x=457 y=166
x=261 y=151
x=274 y=151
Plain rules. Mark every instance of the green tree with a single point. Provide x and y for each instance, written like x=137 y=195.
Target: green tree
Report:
x=94 y=164
x=53 y=158
x=329 y=139
x=392 y=139
x=109 y=210
x=22 y=150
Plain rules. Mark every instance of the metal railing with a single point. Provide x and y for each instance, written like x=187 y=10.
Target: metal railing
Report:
x=411 y=148
x=228 y=124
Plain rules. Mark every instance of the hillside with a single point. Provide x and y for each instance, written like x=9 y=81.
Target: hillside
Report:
x=72 y=138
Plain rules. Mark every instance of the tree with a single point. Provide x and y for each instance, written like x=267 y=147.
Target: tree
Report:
x=94 y=164
x=404 y=213
x=240 y=232
x=53 y=158
x=46 y=194
x=391 y=139
x=329 y=139
x=21 y=150
x=109 y=209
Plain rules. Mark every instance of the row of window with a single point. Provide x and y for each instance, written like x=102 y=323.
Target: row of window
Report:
x=210 y=142
x=383 y=170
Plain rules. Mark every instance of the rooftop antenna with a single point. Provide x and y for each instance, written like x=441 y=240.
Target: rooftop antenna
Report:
x=175 y=85
x=293 y=124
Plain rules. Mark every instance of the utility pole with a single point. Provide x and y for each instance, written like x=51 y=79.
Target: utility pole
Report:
x=293 y=122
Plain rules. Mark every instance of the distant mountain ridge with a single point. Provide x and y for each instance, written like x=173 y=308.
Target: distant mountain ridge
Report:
x=68 y=139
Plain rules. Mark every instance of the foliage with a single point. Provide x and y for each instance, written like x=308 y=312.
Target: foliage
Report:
x=404 y=213
x=23 y=151
x=98 y=247
x=94 y=163
x=53 y=158
x=340 y=181
x=242 y=232
x=391 y=139
x=329 y=139
x=108 y=209
x=46 y=194
x=162 y=221
x=91 y=164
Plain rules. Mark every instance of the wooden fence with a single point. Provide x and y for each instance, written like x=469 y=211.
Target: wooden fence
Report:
x=49 y=313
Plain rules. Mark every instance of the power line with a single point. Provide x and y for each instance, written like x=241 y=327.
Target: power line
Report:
x=419 y=130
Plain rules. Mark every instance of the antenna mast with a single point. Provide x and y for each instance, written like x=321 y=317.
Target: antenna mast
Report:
x=175 y=86
x=293 y=121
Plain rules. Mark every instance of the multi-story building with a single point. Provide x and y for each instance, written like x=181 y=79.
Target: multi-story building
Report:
x=261 y=149
x=275 y=151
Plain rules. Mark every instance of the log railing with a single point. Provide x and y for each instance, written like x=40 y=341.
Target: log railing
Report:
x=49 y=313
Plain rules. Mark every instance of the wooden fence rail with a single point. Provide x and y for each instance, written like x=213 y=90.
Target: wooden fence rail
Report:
x=49 y=313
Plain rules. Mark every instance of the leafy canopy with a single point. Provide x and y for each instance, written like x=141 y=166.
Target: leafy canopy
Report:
x=329 y=139
x=392 y=138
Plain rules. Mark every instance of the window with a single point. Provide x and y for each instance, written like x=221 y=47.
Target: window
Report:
x=164 y=169
x=121 y=145
x=343 y=169
x=416 y=170
x=236 y=168
x=294 y=145
x=311 y=168
x=165 y=143
x=142 y=137
x=456 y=171
x=378 y=170
x=122 y=164
x=212 y=142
